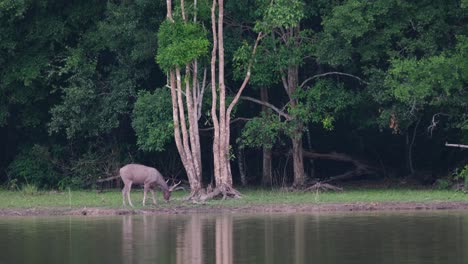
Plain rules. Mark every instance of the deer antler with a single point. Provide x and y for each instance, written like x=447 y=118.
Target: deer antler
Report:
x=173 y=186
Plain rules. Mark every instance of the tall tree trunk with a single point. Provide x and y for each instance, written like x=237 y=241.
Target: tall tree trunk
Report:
x=221 y=121
x=267 y=155
x=187 y=140
x=241 y=164
x=296 y=137
x=298 y=160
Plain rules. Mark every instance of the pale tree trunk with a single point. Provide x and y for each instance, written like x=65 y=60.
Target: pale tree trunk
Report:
x=187 y=139
x=222 y=166
x=221 y=117
x=267 y=156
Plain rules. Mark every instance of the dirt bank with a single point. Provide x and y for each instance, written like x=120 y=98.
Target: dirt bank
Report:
x=261 y=208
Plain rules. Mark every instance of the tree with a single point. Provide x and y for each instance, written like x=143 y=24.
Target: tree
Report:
x=221 y=147
x=402 y=48
x=73 y=69
x=182 y=40
x=288 y=48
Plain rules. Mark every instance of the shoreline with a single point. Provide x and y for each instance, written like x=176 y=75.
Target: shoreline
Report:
x=250 y=209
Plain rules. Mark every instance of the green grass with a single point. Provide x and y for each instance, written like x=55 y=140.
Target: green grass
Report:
x=113 y=198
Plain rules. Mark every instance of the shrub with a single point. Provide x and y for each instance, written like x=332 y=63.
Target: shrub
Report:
x=29 y=189
x=33 y=166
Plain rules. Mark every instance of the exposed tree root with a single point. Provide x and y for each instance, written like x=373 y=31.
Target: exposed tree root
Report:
x=223 y=191
x=195 y=195
x=320 y=186
x=315 y=186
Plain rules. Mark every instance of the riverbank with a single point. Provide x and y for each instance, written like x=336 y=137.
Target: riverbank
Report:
x=253 y=201
x=266 y=208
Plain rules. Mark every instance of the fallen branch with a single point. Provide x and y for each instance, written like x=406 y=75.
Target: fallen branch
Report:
x=320 y=186
x=360 y=167
x=456 y=145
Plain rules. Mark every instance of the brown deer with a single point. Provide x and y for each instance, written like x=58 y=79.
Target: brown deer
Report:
x=148 y=176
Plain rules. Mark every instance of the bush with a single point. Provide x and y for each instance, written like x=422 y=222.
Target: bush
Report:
x=33 y=166
x=29 y=189
x=443 y=184
x=458 y=178
x=462 y=175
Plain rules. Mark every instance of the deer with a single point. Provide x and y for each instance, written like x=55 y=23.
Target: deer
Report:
x=148 y=176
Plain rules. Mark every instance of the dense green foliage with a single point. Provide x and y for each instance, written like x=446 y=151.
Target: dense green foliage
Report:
x=152 y=120
x=386 y=81
x=173 y=40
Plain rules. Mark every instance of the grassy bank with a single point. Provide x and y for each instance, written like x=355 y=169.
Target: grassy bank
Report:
x=113 y=198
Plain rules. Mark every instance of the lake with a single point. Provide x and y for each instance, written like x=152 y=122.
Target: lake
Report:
x=375 y=237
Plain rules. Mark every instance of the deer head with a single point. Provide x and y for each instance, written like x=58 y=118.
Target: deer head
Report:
x=167 y=193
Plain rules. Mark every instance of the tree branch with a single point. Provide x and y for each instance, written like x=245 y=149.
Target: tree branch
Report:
x=232 y=121
x=247 y=76
x=176 y=89
x=434 y=122
x=456 y=145
x=272 y=107
x=331 y=73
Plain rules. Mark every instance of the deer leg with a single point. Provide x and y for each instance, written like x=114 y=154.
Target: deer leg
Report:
x=129 y=187
x=144 y=193
x=124 y=193
x=154 y=199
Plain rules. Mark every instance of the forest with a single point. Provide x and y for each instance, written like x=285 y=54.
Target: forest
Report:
x=221 y=94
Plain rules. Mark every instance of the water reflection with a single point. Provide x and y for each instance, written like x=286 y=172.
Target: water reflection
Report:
x=190 y=241
x=440 y=237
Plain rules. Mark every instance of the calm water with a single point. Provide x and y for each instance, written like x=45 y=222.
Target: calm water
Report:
x=377 y=238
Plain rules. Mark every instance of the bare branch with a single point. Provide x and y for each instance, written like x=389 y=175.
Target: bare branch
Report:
x=200 y=96
x=272 y=107
x=413 y=108
x=176 y=89
x=434 y=122
x=247 y=76
x=232 y=122
x=456 y=145
x=331 y=73
x=285 y=83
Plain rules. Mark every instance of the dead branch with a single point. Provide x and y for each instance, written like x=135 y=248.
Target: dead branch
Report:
x=319 y=186
x=360 y=167
x=434 y=122
x=456 y=145
x=235 y=120
x=331 y=73
x=272 y=107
